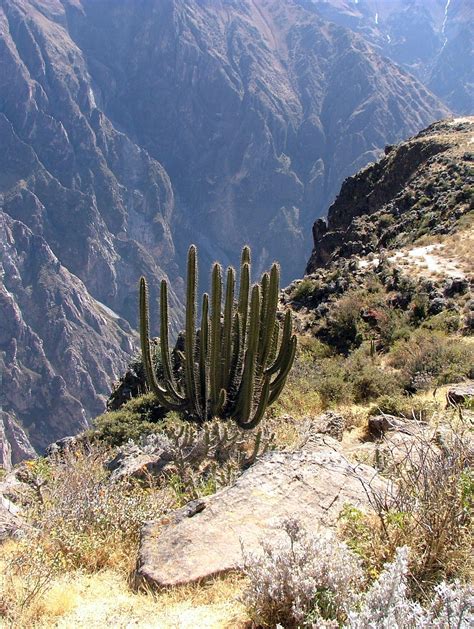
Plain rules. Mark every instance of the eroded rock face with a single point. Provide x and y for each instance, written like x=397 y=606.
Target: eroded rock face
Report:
x=461 y=394
x=15 y=445
x=204 y=538
x=60 y=350
x=432 y=40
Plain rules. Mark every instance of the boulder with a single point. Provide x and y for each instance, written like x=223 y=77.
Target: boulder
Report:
x=460 y=394
x=205 y=537
x=380 y=424
x=11 y=524
x=68 y=445
x=132 y=462
x=330 y=423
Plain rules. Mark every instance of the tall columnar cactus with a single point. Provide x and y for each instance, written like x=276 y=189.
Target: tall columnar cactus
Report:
x=237 y=363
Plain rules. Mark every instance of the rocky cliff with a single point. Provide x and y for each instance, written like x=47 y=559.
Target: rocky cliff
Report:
x=421 y=186
x=60 y=349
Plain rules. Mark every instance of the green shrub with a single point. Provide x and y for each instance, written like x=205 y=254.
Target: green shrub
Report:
x=331 y=382
x=431 y=357
x=404 y=406
x=344 y=326
x=304 y=290
x=137 y=417
x=446 y=321
x=369 y=380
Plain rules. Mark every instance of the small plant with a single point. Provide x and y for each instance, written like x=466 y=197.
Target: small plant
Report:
x=316 y=581
x=197 y=459
x=301 y=580
x=411 y=407
x=432 y=357
x=237 y=363
x=139 y=416
x=304 y=290
x=387 y=603
x=84 y=521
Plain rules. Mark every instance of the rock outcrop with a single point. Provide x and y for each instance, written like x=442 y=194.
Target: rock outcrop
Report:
x=60 y=349
x=421 y=186
x=432 y=40
x=205 y=537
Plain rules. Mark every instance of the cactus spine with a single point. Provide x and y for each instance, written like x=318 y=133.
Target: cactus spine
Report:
x=237 y=363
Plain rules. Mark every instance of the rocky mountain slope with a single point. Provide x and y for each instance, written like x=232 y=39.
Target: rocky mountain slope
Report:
x=421 y=187
x=60 y=348
x=129 y=130
x=432 y=40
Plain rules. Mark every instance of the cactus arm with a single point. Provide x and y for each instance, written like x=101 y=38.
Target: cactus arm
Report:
x=164 y=345
x=236 y=364
x=261 y=408
x=247 y=387
x=190 y=379
x=244 y=290
x=150 y=375
x=228 y=322
x=204 y=354
x=270 y=314
x=216 y=330
x=285 y=340
x=245 y=257
x=277 y=385
x=265 y=284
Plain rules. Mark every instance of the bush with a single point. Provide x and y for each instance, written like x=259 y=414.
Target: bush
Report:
x=304 y=290
x=82 y=520
x=344 y=327
x=369 y=381
x=141 y=415
x=429 y=508
x=331 y=382
x=404 y=406
x=446 y=321
x=316 y=581
x=387 y=603
x=431 y=358
x=301 y=580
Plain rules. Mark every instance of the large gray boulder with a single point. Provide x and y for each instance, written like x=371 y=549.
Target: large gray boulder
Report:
x=204 y=538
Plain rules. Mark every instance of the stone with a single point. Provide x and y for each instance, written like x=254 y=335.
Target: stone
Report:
x=132 y=462
x=456 y=286
x=11 y=524
x=204 y=538
x=14 y=442
x=380 y=424
x=66 y=445
x=460 y=394
x=329 y=423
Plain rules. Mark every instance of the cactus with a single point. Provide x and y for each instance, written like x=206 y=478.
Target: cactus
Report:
x=237 y=362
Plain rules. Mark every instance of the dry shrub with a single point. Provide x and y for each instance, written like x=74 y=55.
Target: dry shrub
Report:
x=428 y=506
x=430 y=357
x=300 y=580
x=80 y=520
x=86 y=520
x=314 y=581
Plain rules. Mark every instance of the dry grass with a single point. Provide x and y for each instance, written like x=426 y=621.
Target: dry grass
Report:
x=81 y=522
x=104 y=599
